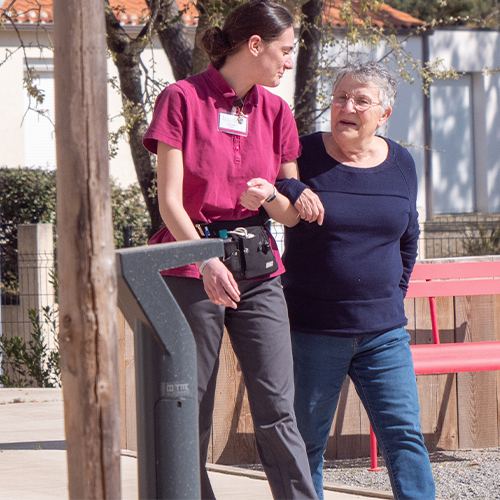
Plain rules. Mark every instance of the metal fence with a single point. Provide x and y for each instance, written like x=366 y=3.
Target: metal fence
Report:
x=34 y=290
x=446 y=236
x=457 y=237
x=29 y=317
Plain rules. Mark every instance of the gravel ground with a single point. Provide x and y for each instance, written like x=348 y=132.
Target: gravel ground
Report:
x=464 y=474
x=459 y=475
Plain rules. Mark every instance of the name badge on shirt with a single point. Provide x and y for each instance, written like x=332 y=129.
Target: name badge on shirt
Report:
x=233 y=123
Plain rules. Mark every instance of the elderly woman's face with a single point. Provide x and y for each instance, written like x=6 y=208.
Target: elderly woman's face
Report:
x=355 y=112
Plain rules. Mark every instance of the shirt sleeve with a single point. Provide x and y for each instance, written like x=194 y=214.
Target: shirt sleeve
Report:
x=168 y=122
x=290 y=144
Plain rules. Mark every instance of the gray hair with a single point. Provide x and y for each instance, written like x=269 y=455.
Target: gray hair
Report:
x=371 y=72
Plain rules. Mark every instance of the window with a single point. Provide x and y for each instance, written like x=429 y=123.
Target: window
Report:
x=453 y=145
x=39 y=134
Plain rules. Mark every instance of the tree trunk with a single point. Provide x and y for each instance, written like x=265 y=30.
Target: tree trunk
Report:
x=307 y=67
x=127 y=59
x=86 y=260
x=174 y=39
x=200 y=59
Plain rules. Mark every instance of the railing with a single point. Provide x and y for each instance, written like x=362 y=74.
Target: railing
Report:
x=447 y=236
x=35 y=281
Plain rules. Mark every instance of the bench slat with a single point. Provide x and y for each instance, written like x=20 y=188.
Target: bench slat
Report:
x=456 y=270
x=457 y=288
x=454 y=358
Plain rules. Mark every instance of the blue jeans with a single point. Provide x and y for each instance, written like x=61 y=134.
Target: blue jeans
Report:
x=381 y=368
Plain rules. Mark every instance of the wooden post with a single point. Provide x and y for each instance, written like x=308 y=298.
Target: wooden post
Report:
x=86 y=260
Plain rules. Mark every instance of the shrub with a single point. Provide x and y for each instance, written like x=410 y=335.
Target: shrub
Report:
x=28 y=196
x=128 y=209
x=32 y=364
x=482 y=239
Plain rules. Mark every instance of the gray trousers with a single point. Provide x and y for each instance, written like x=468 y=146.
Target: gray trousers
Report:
x=260 y=337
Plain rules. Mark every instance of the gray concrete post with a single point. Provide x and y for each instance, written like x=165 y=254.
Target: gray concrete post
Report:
x=165 y=360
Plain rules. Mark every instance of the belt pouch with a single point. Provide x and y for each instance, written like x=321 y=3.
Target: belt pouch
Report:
x=248 y=253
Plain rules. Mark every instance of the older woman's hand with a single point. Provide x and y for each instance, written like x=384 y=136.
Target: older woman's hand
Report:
x=310 y=207
x=220 y=285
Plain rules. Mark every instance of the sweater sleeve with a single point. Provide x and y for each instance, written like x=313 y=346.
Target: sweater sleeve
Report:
x=291 y=188
x=409 y=240
x=408 y=248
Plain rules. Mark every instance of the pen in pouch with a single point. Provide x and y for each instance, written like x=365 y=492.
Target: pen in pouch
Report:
x=207 y=232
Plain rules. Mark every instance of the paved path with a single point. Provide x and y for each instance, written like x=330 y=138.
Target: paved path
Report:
x=33 y=457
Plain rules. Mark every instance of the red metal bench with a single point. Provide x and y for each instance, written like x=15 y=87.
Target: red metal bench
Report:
x=451 y=279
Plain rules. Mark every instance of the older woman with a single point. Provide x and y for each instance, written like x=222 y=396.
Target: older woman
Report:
x=346 y=280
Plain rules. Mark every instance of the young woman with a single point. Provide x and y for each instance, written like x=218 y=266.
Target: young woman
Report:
x=221 y=142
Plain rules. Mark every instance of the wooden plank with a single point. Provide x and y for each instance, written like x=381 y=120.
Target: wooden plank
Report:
x=477 y=392
x=233 y=440
x=426 y=386
x=409 y=305
x=446 y=418
x=456 y=270
x=130 y=390
x=122 y=376
x=437 y=393
x=496 y=316
x=350 y=429
x=453 y=288
x=86 y=259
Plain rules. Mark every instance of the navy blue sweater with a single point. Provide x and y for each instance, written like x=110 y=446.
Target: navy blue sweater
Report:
x=349 y=276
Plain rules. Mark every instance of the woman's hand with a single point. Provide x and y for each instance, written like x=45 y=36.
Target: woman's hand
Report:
x=310 y=207
x=257 y=192
x=219 y=284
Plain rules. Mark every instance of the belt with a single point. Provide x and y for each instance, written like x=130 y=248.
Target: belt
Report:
x=212 y=229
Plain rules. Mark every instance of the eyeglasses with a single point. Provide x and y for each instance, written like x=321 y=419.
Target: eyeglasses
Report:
x=360 y=103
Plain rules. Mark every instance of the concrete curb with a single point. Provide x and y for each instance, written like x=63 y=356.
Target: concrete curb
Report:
x=256 y=474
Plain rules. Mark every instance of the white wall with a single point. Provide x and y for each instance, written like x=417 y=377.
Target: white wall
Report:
x=472 y=51
x=13 y=126
x=12 y=107
x=14 y=110
x=466 y=50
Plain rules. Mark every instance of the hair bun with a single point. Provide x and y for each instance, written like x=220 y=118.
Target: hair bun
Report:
x=215 y=41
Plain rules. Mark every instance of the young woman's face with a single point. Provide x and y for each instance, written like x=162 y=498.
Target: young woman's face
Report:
x=275 y=58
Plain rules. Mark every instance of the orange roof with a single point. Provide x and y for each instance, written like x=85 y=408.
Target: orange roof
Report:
x=127 y=11
x=385 y=15
x=132 y=12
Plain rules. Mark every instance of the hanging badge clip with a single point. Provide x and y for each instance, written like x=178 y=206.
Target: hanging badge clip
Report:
x=233 y=123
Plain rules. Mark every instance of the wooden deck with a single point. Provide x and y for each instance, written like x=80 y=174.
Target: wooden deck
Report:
x=458 y=411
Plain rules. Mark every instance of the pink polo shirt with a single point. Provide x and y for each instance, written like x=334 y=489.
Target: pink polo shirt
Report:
x=218 y=165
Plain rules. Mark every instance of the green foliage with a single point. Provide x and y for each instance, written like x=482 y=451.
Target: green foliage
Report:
x=32 y=364
x=482 y=239
x=27 y=196
x=480 y=13
x=128 y=209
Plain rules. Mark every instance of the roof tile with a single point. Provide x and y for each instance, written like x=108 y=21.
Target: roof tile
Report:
x=385 y=15
x=134 y=12
x=127 y=11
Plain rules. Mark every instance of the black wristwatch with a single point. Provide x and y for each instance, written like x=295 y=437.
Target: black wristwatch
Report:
x=272 y=197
